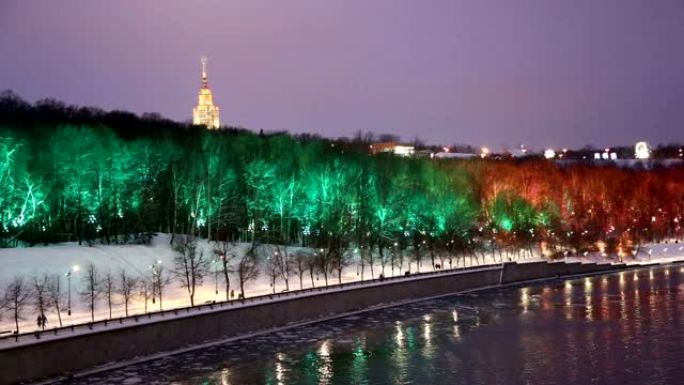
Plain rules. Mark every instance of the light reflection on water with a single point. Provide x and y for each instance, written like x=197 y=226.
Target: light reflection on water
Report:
x=622 y=328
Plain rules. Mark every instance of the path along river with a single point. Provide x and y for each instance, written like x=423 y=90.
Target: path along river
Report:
x=622 y=328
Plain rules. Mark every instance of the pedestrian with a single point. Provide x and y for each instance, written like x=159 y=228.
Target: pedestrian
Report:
x=39 y=320
x=232 y=293
x=44 y=321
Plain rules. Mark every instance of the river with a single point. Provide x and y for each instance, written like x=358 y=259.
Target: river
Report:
x=622 y=328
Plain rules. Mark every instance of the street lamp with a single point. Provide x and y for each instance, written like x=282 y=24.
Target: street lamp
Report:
x=216 y=275
x=73 y=269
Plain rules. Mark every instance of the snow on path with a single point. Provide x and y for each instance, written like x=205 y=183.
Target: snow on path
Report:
x=147 y=318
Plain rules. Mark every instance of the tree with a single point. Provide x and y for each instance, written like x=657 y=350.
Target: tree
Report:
x=247 y=268
x=125 y=289
x=272 y=269
x=145 y=289
x=367 y=257
x=322 y=259
x=341 y=258
x=159 y=281
x=284 y=263
x=190 y=266
x=108 y=289
x=312 y=266
x=56 y=296
x=301 y=264
x=92 y=290
x=16 y=298
x=225 y=254
x=40 y=296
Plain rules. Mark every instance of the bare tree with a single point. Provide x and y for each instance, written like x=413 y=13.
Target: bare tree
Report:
x=271 y=267
x=125 y=288
x=56 y=296
x=301 y=264
x=109 y=289
x=311 y=265
x=91 y=292
x=160 y=279
x=367 y=257
x=284 y=263
x=145 y=289
x=247 y=268
x=190 y=267
x=40 y=297
x=225 y=254
x=16 y=297
x=323 y=260
x=340 y=259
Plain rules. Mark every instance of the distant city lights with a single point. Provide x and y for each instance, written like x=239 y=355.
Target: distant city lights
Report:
x=642 y=150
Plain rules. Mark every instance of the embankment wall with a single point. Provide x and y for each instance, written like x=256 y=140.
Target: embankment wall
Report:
x=79 y=352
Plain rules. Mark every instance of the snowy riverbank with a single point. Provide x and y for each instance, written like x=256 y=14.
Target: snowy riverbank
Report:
x=136 y=260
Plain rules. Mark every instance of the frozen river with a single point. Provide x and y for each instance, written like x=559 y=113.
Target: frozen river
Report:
x=624 y=328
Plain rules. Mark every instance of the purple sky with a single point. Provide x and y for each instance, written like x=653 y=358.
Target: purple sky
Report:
x=483 y=72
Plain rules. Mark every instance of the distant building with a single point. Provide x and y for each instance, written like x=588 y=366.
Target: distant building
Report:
x=605 y=155
x=423 y=154
x=642 y=150
x=518 y=152
x=206 y=112
x=455 y=155
x=392 y=147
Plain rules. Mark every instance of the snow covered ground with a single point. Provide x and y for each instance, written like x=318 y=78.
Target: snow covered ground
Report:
x=136 y=260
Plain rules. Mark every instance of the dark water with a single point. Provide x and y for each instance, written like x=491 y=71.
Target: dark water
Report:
x=623 y=328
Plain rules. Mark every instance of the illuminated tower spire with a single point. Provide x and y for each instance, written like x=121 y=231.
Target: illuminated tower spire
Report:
x=206 y=113
x=204 y=71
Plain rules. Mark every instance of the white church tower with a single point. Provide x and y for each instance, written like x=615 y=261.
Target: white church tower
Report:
x=206 y=112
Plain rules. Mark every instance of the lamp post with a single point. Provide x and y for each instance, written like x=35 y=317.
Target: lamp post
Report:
x=73 y=269
x=216 y=275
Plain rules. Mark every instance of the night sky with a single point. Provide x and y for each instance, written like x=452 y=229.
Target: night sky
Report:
x=482 y=72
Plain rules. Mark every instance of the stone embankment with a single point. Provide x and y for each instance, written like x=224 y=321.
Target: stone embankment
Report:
x=96 y=347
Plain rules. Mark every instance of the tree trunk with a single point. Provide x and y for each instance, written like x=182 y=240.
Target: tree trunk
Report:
x=227 y=285
x=16 y=315
x=59 y=315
